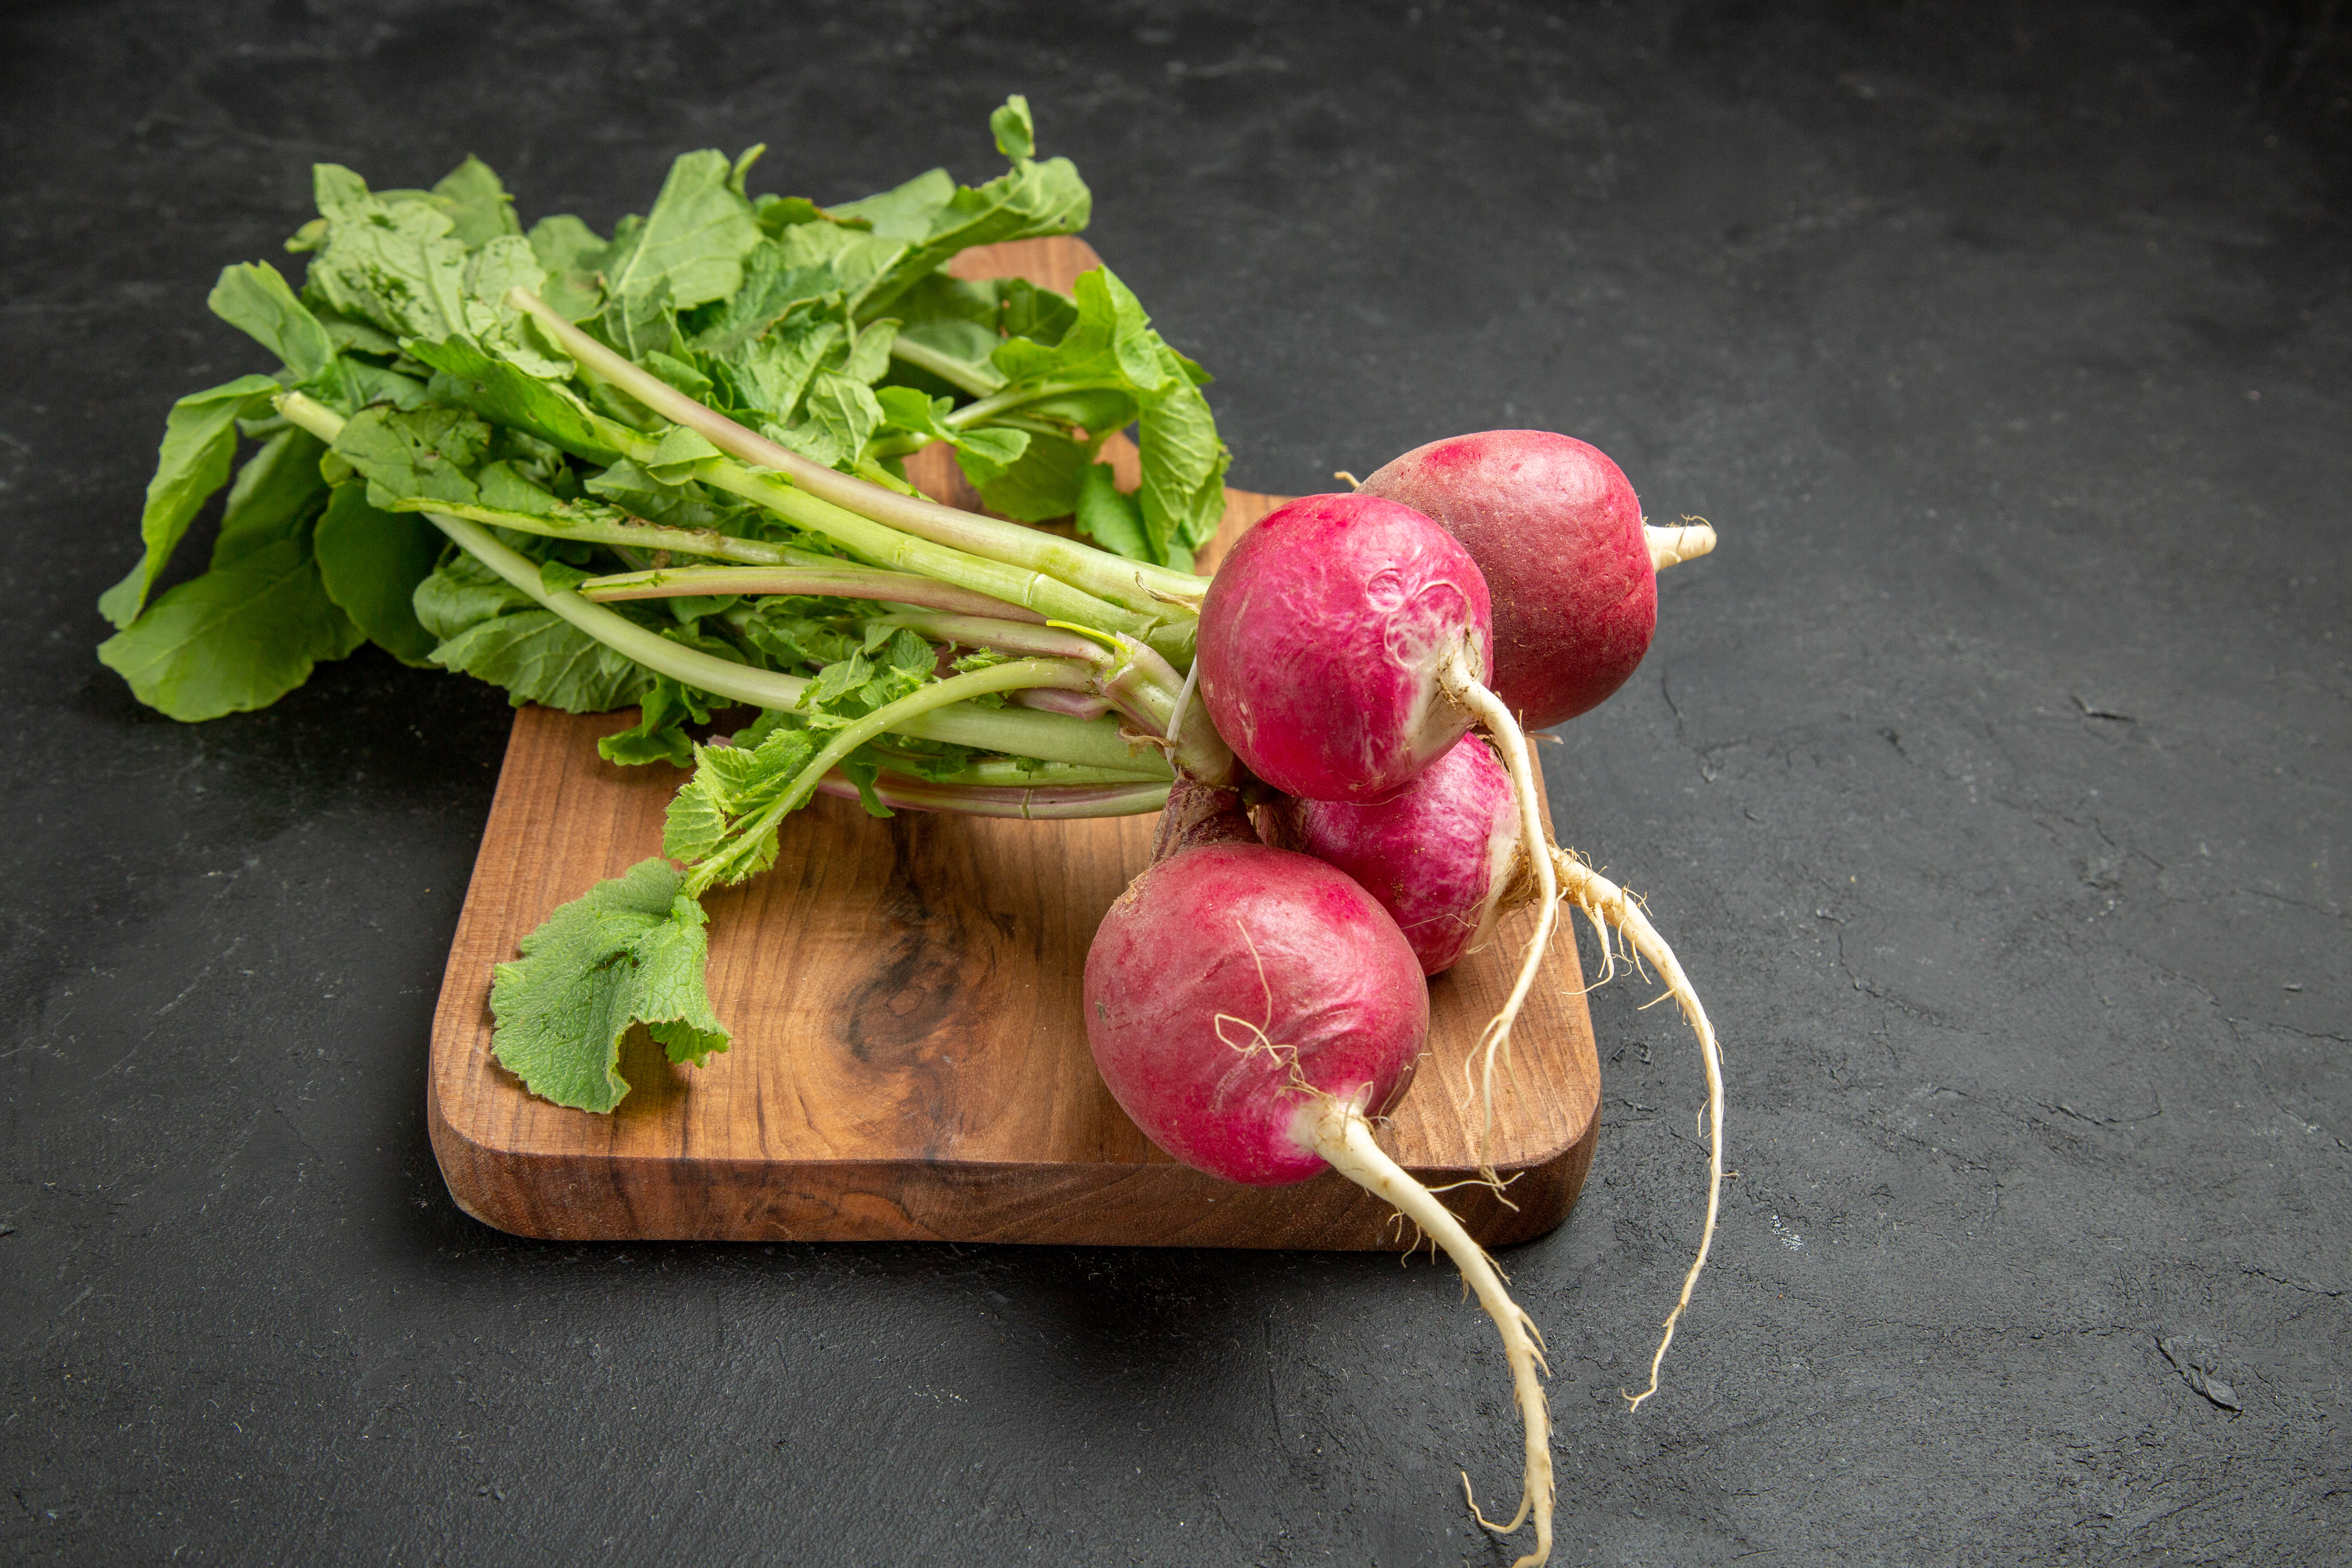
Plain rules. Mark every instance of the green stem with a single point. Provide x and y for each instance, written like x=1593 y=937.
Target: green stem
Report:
x=1029 y=803
x=1122 y=581
x=618 y=535
x=1005 y=637
x=979 y=380
x=889 y=548
x=1019 y=675
x=1014 y=397
x=841 y=581
x=707 y=672
x=1146 y=690
x=1048 y=737
x=1005 y=773
x=1018 y=731
x=904 y=446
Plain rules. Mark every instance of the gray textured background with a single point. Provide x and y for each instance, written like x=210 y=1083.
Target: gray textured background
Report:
x=1990 y=780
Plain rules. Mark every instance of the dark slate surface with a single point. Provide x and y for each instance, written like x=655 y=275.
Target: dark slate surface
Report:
x=1991 y=779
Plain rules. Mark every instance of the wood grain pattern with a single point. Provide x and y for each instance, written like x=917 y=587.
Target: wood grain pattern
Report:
x=909 y=1061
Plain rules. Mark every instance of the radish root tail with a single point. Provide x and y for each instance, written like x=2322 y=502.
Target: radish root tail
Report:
x=1673 y=546
x=1601 y=898
x=1461 y=683
x=1337 y=1129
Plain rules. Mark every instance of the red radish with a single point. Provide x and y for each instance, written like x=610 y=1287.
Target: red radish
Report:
x=1248 y=1006
x=1325 y=641
x=1437 y=853
x=1573 y=570
x=1445 y=857
x=1342 y=648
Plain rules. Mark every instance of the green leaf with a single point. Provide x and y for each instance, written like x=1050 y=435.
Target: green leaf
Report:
x=917 y=413
x=671 y=1001
x=1111 y=520
x=253 y=296
x=505 y=488
x=1121 y=367
x=869 y=357
x=479 y=206
x=424 y=454
x=659 y=735
x=770 y=374
x=236 y=638
x=907 y=211
x=1034 y=200
x=508 y=395
x=993 y=450
x=777 y=213
x=696 y=822
x=679 y=374
x=640 y=323
x=931 y=218
x=276 y=492
x=680 y=450
x=371 y=562
x=630 y=951
x=841 y=413
x=199 y=442
x=680 y=503
x=1185 y=463
x=507 y=262
x=571 y=252
x=1042 y=482
x=354 y=337
x=461 y=593
x=998 y=307
x=495 y=632
x=363 y=383
x=1016 y=133
x=694 y=240
x=771 y=286
x=715 y=821
x=539 y=656
x=392 y=262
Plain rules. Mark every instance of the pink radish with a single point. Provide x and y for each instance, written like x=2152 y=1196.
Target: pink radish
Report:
x=1447 y=857
x=1342 y=648
x=1327 y=642
x=1437 y=853
x=1573 y=569
x=1249 y=1006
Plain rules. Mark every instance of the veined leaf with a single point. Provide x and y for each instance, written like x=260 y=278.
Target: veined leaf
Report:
x=236 y=638
x=508 y=395
x=426 y=454
x=630 y=951
x=392 y=262
x=694 y=240
x=199 y=441
x=479 y=206
x=253 y=297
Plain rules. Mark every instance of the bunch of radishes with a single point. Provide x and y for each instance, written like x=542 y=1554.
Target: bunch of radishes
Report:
x=1254 y=999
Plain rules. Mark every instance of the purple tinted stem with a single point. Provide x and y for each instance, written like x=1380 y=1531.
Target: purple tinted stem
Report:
x=825 y=583
x=1072 y=704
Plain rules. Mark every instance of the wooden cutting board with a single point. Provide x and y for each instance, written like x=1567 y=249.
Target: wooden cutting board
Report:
x=909 y=1059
